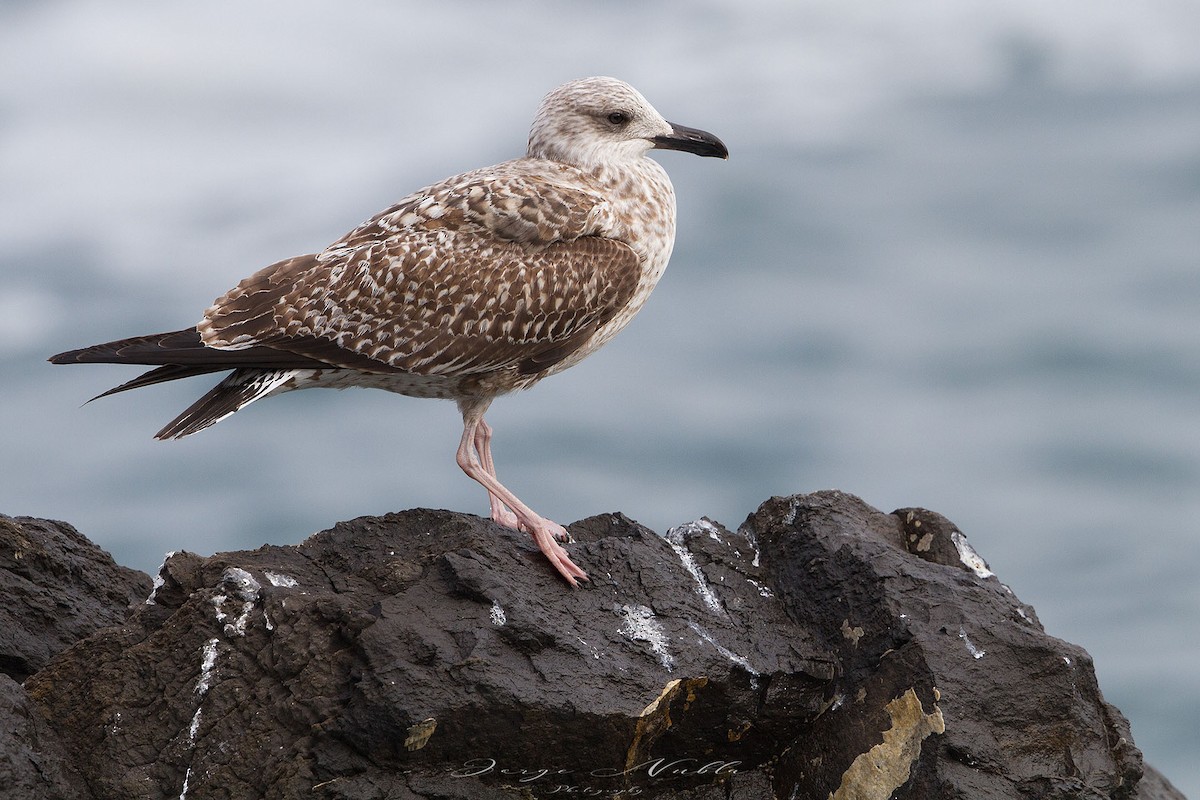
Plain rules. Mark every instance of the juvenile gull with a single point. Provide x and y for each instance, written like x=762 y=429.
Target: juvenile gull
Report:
x=470 y=288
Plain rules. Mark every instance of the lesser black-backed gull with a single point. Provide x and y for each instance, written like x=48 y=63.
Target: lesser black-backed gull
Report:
x=470 y=288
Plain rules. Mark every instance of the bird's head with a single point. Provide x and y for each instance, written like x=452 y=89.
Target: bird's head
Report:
x=603 y=120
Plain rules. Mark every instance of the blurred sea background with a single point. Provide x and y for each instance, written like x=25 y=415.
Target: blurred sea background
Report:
x=951 y=263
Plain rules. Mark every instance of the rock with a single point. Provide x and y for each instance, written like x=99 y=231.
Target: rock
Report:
x=56 y=587
x=826 y=649
x=933 y=645
x=33 y=763
x=431 y=653
x=1154 y=786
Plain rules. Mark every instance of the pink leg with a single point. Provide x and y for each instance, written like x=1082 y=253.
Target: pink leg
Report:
x=483 y=446
x=544 y=531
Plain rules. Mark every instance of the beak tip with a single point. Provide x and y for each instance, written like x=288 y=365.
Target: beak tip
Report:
x=692 y=140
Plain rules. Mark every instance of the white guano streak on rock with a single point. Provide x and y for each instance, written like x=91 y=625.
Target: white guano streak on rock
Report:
x=194 y=728
x=763 y=590
x=158 y=584
x=675 y=538
x=246 y=588
x=640 y=626
x=239 y=625
x=159 y=580
x=218 y=601
x=747 y=530
x=497 y=614
x=594 y=650
x=971 y=648
x=725 y=651
x=968 y=556
x=242 y=582
x=707 y=527
x=279 y=579
x=208 y=660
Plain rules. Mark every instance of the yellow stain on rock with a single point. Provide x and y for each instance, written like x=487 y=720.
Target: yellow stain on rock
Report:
x=419 y=733
x=735 y=734
x=853 y=634
x=656 y=717
x=875 y=774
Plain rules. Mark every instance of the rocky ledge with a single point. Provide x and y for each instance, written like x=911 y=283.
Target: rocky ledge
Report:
x=824 y=649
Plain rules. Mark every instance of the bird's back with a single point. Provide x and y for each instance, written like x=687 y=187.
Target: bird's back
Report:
x=512 y=271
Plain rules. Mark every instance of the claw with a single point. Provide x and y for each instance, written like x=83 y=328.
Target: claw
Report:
x=544 y=533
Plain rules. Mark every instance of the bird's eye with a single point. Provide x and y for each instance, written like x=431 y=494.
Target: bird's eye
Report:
x=618 y=118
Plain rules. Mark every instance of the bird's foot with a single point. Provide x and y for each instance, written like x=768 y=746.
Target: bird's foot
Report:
x=545 y=533
x=503 y=515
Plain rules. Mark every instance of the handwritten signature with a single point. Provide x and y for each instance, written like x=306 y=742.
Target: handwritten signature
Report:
x=652 y=768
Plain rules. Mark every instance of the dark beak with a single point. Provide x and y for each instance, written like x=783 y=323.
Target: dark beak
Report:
x=691 y=140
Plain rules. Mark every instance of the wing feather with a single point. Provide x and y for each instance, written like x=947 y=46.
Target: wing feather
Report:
x=487 y=271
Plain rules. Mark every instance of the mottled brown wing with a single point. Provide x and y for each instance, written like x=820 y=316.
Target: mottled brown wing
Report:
x=432 y=302
x=532 y=201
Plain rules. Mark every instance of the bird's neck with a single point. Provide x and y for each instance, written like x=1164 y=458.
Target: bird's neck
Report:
x=640 y=194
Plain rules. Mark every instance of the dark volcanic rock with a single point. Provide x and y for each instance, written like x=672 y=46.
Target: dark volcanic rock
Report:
x=1016 y=713
x=435 y=655
x=33 y=763
x=56 y=587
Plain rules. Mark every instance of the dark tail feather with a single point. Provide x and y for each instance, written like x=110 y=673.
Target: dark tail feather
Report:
x=240 y=388
x=170 y=372
x=184 y=349
x=175 y=347
x=257 y=371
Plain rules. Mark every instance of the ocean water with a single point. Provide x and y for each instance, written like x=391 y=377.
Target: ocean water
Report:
x=952 y=262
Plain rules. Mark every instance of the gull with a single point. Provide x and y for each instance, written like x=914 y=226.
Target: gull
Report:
x=473 y=287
